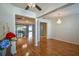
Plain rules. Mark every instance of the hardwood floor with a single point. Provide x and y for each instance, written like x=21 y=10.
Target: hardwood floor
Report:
x=52 y=47
x=21 y=46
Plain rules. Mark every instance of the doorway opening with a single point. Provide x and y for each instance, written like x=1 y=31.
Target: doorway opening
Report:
x=43 y=34
x=25 y=32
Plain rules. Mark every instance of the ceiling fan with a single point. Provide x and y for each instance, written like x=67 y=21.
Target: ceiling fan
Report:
x=32 y=5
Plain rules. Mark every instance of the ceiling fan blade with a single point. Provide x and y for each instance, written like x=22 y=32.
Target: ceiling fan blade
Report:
x=38 y=7
x=18 y=18
x=27 y=7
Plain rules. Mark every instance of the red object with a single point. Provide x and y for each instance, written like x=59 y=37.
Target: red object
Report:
x=10 y=35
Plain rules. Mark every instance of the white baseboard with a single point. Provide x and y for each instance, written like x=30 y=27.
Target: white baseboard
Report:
x=66 y=41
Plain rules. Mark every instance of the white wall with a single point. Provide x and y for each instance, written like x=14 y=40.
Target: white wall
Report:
x=8 y=12
x=68 y=31
x=7 y=16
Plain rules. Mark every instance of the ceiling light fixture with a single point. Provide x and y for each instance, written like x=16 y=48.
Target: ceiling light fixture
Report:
x=59 y=18
x=59 y=21
x=31 y=5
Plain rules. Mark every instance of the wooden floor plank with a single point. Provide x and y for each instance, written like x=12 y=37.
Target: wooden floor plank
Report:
x=53 y=48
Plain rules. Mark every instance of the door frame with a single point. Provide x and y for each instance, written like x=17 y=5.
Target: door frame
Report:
x=43 y=39
x=33 y=24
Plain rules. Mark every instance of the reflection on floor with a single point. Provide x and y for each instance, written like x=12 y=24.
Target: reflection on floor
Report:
x=21 y=46
x=53 y=48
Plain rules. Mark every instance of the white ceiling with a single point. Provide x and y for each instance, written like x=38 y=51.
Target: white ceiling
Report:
x=70 y=10
x=47 y=7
